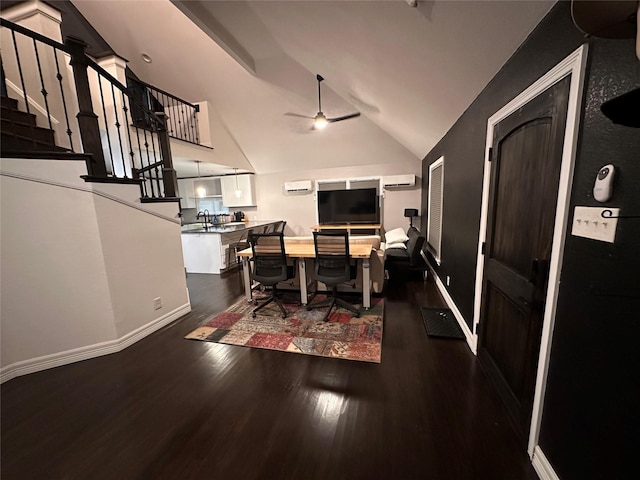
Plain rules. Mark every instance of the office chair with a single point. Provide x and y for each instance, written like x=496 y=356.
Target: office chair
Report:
x=241 y=244
x=279 y=226
x=269 y=266
x=333 y=267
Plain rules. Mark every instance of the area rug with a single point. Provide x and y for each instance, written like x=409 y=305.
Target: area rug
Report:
x=343 y=336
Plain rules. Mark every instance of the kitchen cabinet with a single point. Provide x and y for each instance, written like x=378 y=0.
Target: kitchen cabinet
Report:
x=207 y=187
x=244 y=183
x=186 y=192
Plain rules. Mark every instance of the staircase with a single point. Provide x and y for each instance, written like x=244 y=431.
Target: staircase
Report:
x=21 y=133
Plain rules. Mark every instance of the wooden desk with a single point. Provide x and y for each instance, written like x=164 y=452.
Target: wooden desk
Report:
x=360 y=251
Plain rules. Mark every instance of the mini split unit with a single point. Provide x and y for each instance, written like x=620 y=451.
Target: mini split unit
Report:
x=301 y=186
x=399 y=181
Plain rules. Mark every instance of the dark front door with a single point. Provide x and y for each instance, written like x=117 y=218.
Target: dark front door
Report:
x=525 y=169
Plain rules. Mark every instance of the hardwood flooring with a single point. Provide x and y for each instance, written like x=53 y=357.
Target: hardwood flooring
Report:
x=169 y=408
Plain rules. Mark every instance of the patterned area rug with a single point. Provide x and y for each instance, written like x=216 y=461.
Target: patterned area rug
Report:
x=343 y=336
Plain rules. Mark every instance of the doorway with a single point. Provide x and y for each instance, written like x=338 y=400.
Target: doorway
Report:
x=531 y=146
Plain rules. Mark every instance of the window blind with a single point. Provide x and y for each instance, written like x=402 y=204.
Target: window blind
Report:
x=434 y=223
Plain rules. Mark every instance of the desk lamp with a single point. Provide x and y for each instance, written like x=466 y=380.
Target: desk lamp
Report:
x=410 y=213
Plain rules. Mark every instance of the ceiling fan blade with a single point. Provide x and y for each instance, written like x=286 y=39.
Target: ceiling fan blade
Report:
x=346 y=117
x=289 y=114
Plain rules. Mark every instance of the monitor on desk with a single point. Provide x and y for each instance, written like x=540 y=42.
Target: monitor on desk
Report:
x=359 y=206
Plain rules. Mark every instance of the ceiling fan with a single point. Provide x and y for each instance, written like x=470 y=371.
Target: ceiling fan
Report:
x=320 y=120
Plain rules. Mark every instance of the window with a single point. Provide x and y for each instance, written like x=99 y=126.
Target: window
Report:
x=434 y=222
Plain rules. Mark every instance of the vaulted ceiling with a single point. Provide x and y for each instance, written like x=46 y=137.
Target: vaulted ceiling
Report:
x=410 y=71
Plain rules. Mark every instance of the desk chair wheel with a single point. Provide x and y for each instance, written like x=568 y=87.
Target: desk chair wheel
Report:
x=283 y=315
x=253 y=314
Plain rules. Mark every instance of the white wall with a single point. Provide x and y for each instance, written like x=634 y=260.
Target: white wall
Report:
x=79 y=271
x=299 y=210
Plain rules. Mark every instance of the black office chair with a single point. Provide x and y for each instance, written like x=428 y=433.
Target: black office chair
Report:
x=333 y=267
x=241 y=244
x=269 y=266
x=279 y=226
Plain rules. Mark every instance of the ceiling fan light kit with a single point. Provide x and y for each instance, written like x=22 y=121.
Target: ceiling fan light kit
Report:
x=320 y=120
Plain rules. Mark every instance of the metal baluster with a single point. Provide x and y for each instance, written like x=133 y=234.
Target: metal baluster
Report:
x=171 y=128
x=128 y=124
x=64 y=102
x=155 y=159
x=106 y=124
x=118 y=125
x=24 y=89
x=146 y=146
x=189 y=123
x=182 y=122
x=3 y=82
x=197 y=126
x=143 y=187
x=44 y=90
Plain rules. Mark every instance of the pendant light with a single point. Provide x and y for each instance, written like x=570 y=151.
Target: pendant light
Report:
x=238 y=191
x=201 y=191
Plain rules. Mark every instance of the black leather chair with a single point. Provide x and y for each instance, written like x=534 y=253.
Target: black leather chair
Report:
x=333 y=267
x=269 y=266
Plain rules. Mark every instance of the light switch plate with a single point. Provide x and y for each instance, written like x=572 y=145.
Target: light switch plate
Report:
x=588 y=222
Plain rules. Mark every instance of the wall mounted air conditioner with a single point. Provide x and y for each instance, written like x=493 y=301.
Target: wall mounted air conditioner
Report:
x=399 y=181
x=300 y=186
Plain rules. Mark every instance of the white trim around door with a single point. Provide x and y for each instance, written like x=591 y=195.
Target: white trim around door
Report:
x=573 y=65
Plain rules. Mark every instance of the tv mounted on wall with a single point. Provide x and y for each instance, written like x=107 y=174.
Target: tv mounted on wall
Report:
x=348 y=206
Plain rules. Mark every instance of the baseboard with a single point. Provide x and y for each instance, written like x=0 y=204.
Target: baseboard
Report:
x=542 y=466
x=90 y=351
x=472 y=340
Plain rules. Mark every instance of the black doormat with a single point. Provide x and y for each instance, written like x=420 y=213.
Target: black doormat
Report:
x=440 y=322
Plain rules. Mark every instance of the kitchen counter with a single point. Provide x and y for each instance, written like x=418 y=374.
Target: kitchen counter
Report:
x=210 y=250
x=225 y=227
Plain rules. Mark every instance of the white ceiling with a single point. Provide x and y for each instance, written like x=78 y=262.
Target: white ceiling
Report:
x=410 y=71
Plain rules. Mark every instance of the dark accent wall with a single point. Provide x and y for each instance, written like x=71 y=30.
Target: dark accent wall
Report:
x=591 y=413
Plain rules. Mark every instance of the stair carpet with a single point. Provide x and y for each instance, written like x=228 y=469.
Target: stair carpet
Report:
x=20 y=131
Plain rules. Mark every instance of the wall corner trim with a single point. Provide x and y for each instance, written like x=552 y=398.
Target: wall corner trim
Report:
x=542 y=466
x=91 y=351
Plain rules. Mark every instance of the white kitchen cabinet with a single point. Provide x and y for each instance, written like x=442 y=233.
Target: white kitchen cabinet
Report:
x=207 y=187
x=245 y=183
x=186 y=192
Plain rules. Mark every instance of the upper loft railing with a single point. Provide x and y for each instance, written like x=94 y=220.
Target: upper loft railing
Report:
x=88 y=110
x=182 y=116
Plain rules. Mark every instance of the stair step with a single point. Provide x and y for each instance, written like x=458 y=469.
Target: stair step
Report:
x=13 y=142
x=9 y=102
x=17 y=115
x=40 y=134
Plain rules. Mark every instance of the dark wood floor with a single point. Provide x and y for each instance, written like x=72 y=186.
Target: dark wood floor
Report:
x=169 y=408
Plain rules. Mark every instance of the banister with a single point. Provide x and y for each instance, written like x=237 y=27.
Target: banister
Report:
x=159 y=90
x=105 y=134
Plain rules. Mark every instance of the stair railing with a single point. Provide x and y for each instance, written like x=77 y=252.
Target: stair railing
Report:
x=182 y=116
x=92 y=108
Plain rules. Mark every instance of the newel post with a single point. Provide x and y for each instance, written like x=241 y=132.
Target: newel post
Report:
x=87 y=119
x=169 y=176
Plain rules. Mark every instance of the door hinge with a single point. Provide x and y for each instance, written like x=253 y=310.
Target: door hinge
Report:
x=490 y=153
x=483 y=248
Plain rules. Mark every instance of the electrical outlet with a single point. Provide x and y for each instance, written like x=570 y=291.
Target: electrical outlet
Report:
x=448 y=280
x=588 y=222
x=157 y=303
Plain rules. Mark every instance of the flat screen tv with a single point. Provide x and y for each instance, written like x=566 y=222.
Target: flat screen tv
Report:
x=348 y=206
